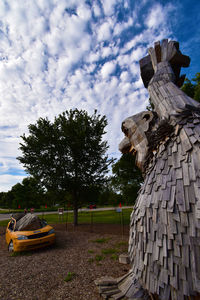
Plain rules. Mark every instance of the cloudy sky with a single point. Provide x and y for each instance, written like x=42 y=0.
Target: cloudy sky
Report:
x=64 y=54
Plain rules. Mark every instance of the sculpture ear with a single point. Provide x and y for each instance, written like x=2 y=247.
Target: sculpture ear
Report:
x=147 y=117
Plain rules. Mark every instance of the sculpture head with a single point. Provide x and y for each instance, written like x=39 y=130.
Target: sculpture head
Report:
x=136 y=130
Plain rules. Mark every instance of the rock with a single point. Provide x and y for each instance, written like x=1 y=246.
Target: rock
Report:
x=124 y=259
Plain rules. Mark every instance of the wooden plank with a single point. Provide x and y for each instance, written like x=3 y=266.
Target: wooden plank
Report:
x=166 y=169
x=164 y=277
x=166 y=292
x=182 y=272
x=179 y=173
x=186 y=239
x=164 y=182
x=184 y=219
x=186 y=178
x=185 y=288
x=178 y=237
x=158 y=51
x=170 y=162
x=163 y=215
x=169 y=244
x=171 y=264
x=177 y=251
x=156 y=250
x=176 y=214
x=175 y=147
x=192 y=172
x=176 y=160
x=192 y=195
x=180 y=199
x=188 y=131
x=164 y=50
x=173 y=282
x=152 y=53
x=170 y=204
x=193 y=139
x=172 y=224
x=173 y=90
x=165 y=246
x=192 y=228
x=185 y=142
x=185 y=256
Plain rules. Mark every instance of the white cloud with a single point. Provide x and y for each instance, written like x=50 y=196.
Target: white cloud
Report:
x=137 y=54
x=158 y=15
x=7 y=181
x=119 y=27
x=125 y=76
x=107 y=69
x=84 y=12
x=108 y=6
x=104 y=32
x=106 y=51
x=97 y=10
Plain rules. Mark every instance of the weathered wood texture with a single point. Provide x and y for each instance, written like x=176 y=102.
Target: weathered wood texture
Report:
x=164 y=245
x=164 y=242
x=28 y=222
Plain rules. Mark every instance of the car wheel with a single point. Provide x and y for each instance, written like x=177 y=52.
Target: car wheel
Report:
x=11 y=247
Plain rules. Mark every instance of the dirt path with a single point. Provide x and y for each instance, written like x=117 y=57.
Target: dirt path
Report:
x=41 y=274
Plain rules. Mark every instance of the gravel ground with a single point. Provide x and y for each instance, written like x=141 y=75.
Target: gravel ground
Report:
x=41 y=274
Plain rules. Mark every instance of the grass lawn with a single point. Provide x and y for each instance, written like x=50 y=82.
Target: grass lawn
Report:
x=103 y=217
x=4 y=223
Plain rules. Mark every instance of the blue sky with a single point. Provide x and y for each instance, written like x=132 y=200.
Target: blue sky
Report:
x=65 y=54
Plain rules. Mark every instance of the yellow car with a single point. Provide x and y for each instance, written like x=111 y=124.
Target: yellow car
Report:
x=28 y=232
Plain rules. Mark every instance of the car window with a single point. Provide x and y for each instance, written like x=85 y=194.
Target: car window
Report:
x=11 y=225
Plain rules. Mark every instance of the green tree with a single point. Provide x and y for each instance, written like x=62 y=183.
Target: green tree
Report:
x=127 y=178
x=192 y=89
x=7 y=200
x=28 y=193
x=2 y=200
x=68 y=154
x=108 y=194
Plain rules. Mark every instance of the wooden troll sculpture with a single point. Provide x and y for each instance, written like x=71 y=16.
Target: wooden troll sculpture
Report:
x=164 y=241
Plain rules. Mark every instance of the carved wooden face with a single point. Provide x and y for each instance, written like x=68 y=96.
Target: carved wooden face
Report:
x=135 y=128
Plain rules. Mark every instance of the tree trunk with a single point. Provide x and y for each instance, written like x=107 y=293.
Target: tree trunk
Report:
x=75 y=215
x=75 y=203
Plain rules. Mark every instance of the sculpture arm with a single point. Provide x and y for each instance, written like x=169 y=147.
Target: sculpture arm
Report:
x=164 y=86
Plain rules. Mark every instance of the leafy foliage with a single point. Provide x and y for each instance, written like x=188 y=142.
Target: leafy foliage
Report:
x=192 y=89
x=127 y=177
x=67 y=155
x=26 y=194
